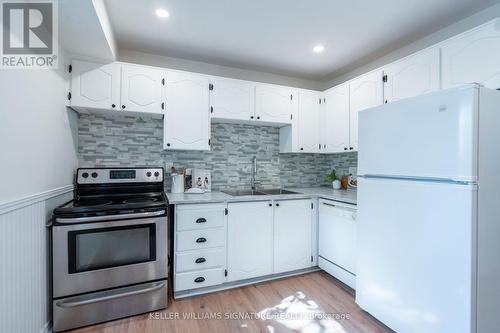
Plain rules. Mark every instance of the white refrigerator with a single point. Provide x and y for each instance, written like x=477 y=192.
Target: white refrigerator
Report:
x=428 y=251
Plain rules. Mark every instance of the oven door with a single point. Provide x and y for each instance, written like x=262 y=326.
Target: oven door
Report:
x=95 y=256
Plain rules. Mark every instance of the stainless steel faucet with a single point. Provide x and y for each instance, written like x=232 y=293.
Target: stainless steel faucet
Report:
x=254 y=172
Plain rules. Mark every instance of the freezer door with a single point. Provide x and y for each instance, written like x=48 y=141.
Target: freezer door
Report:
x=430 y=136
x=415 y=254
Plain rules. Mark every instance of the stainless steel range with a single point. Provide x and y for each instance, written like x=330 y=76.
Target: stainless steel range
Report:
x=109 y=247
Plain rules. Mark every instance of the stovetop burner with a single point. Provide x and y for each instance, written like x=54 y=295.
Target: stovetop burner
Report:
x=141 y=200
x=92 y=203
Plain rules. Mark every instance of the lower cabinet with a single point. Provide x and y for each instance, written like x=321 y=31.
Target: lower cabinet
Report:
x=249 y=240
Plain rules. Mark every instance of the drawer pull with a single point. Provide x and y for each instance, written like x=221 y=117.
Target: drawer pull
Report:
x=201 y=220
x=201 y=240
x=200 y=260
x=199 y=279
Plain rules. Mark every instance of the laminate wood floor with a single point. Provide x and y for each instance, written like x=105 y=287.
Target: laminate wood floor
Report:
x=310 y=303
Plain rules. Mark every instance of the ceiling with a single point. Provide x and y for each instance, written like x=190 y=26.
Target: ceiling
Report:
x=277 y=36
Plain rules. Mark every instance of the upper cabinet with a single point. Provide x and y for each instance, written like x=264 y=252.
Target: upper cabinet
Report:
x=187 y=121
x=473 y=57
x=232 y=99
x=334 y=120
x=95 y=85
x=365 y=92
x=275 y=104
x=142 y=89
x=412 y=76
x=308 y=121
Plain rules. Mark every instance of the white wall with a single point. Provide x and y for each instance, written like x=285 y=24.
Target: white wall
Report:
x=375 y=61
x=37 y=132
x=216 y=70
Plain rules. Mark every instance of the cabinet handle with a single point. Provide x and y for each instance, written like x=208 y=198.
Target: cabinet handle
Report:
x=123 y=106
x=163 y=105
x=200 y=260
x=201 y=220
x=199 y=279
x=201 y=240
x=113 y=105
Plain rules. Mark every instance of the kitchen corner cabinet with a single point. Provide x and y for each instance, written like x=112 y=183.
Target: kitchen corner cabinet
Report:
x=292 y=235
x=187 y=120
x=94 y=85
x=142 y=89
x=472 y=57
x=334 y=120
x=232 y=99
x=249 y=240
x=415 y=75
x=365 y=92
x=275 y=104
x=308 y=121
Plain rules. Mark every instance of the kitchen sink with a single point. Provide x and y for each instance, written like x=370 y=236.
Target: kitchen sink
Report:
x=273 y=191
x=239 y=193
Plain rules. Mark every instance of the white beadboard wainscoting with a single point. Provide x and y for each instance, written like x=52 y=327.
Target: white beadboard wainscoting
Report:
x=24 y=254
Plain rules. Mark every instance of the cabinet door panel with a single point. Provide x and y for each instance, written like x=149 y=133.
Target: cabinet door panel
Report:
x=308 y=121
x=232 y=99
x=249 y=240
x=141 y=89
x=334 y=121
x=186 y=121
x=473 y=57
x=275 y=103
x=95 y=85
x=364 y=92
x=292 y=235
x=415 y=75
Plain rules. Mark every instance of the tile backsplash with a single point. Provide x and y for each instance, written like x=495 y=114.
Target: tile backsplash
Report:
x=121 y=140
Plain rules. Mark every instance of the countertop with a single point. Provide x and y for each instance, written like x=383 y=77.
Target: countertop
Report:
x=348 y=196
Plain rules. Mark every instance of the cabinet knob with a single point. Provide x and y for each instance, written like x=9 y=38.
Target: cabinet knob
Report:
x=251 y=117
x=277 y=204
x=301 y=148
x=113 y=105
x=168 y=144
x=270 y=205
x=345 y=148
x=258 y=117
x=351 y=148
x=123 y=106
x=201 y=240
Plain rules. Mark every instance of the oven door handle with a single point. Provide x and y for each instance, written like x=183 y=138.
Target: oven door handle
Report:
x=69 y=220
x=66 y=304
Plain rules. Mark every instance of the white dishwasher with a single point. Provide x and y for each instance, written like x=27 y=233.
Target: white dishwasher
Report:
x=337 y=240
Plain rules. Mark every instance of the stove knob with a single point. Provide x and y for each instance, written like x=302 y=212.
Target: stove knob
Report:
x=85 y=175
x=148 y=174
x=94 y=174
x=157 y=174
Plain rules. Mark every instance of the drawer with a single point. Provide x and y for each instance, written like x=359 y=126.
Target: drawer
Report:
x=192 y=217
x=198 y=279
x=200 y=259
x=200 y=239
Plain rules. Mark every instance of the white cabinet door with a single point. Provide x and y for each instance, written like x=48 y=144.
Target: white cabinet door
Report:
x=187 y=120
x=412 y=76
x=292 y=235
x=249 y=240
x=142 y=89
x=337 y=234
x=473 y=57
x=275 y=104
x=232 y=99
x=364 y=92
x=95 y=85
x=334 y=120
x=308 y=121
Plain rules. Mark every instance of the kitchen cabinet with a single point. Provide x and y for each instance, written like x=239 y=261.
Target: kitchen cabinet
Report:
x=142 y=89
x=275 y=104
x=415 y=75
x=187 y=120
x=95 y=85
x=365 y=92
x=249 y=240
x=232 y=99
x=337 y=240
x=334 y=120
x=473 y=57
x=292 y=235
x=308 y=121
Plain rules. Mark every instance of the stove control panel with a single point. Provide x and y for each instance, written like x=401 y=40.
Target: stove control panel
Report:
x=119 y=175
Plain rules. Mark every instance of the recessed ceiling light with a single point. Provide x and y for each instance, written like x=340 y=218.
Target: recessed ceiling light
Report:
x=162 y=13
x=318 y=48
